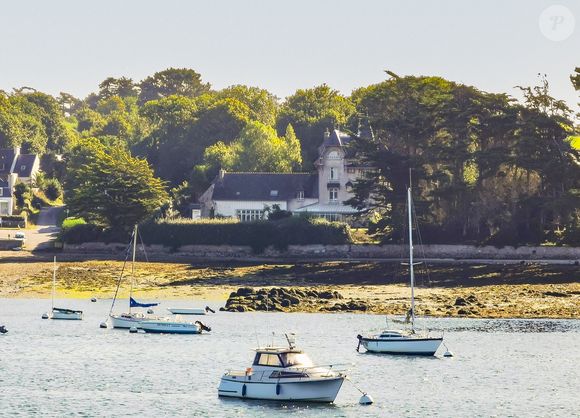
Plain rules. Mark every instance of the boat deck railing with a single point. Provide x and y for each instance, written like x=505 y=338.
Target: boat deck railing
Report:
x=302 y=373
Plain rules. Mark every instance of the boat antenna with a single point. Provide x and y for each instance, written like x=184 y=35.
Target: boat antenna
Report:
x=134 y=242
x=411 y=267
x=53 y=280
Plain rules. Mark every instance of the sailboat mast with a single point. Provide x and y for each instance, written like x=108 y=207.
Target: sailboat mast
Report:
x=53 y=280
x=411 y=268
x=133 y=266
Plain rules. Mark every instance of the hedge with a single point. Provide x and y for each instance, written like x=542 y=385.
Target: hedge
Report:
x=258 y=235
x=13 y=221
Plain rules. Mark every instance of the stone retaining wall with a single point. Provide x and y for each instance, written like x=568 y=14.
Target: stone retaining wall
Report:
x=355 y=251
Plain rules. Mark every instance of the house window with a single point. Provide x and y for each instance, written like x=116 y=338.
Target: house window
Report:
x=248 y=215
x=333 y=173
x=300 y=195
x=273 y=193
x=1 y=166
x=1 y=191
x=351 y=170
x=22 y=167
x=333 y=194
x=4 y=208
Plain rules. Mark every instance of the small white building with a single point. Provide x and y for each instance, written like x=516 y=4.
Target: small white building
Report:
x=15 y=167
x=321 y=193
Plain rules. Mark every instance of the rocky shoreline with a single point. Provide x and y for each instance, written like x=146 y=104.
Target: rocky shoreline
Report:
x=290 y=299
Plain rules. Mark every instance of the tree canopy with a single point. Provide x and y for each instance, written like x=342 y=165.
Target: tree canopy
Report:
x=107 y=186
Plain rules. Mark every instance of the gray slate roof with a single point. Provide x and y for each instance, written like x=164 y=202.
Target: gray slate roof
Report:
x=6 y=159
x=24 y=164
x=260 y=186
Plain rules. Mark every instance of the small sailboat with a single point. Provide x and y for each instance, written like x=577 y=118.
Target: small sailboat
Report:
x=411 y=341
x=190 y=311
x=130 y=319
x=283 y=374
x=173 y=326
x=61 y=313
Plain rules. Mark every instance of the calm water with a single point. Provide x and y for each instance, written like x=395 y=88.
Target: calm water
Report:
x=500 y=368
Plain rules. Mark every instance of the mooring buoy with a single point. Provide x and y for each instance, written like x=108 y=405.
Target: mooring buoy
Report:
x=45 y=316
x=366 y=399
x=103 y=325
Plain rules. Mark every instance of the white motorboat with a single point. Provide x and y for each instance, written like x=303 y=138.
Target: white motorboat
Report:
x=61 y=313
x=173 y=326
x=128 y=320
x=283 y=374
x=408 y=342
x=189 y=311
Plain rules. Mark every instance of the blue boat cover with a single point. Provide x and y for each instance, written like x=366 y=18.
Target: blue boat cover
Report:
x=134 y=304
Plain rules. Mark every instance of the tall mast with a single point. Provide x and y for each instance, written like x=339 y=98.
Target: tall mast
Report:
x=411 y=269
x=53 y=280
x=133 y=265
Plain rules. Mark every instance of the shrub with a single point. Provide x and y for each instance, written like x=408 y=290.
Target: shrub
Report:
x=52 y=189
x=83 y=232
x=258 y=235
x=71 y=222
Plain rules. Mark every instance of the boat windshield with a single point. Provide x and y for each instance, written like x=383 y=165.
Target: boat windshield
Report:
x=296 y=359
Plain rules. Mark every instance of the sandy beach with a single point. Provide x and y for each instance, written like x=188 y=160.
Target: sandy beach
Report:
x=495 y=291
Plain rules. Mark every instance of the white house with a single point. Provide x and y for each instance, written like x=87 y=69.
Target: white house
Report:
x=321 y=193
x=15 y=167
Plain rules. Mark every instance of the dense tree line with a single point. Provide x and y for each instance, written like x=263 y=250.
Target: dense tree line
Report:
x=486 y=167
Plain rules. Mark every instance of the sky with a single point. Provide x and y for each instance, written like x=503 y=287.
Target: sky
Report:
x=495 y=45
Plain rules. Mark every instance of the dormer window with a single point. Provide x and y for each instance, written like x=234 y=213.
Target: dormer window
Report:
x=300 y=195
x=332 y=173
x=333 y=155
x=273 y=193
x=22 y=167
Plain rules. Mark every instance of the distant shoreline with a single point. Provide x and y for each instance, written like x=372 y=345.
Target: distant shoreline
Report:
x=529 y=290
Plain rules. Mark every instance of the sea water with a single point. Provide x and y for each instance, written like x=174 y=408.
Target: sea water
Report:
x=73 y=368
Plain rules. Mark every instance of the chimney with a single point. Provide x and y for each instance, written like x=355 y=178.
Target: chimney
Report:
x=12 y=180
x=221 y=174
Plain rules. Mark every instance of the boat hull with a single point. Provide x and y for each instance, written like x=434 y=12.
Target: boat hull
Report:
x=70 y=316
x=323 y=390
x=163 y=327
x=408 y=346
x=187 y=311
x=124 y=322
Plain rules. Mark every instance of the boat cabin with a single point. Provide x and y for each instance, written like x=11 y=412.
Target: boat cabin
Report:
x=281 y=357
x=392 y=334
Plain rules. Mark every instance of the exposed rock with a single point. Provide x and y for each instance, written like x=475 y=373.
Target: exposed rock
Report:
x=289 y=299
x=557 y=294
x=461 y=302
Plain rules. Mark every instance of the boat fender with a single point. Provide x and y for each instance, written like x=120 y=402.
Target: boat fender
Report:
x=203 y=326
x=278 y=388
x=244 y=390
x=208 y=309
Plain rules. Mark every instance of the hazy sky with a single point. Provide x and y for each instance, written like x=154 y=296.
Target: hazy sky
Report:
x=72 y=45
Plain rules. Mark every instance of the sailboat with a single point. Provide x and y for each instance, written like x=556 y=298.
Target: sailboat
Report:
x=404 y=341
x=61 y=313
x=130 y=319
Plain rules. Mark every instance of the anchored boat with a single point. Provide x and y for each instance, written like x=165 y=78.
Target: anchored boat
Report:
x=173 y=326
x=283 y=374
x=61 y=313
x=411 y=341
x=130 y=319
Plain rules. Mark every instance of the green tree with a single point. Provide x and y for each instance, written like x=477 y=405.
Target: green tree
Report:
x=258 y=148
x=311 y=112
x=180 y=81
x=262 y=105
x=106 y=185
x=122 y=87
